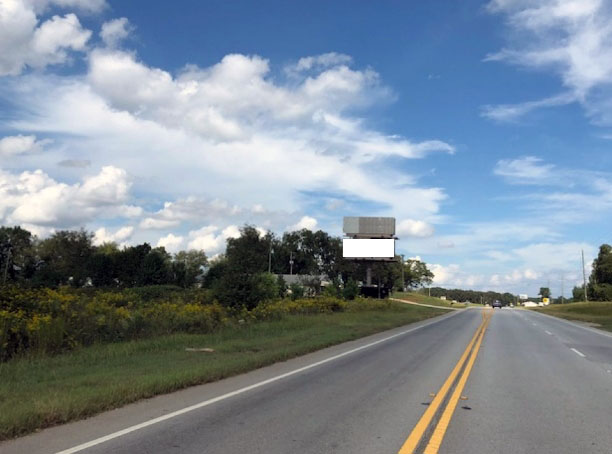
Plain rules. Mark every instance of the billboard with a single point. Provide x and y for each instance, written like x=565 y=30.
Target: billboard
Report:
x=368 y=226
x=363 y=248
x=523 y=296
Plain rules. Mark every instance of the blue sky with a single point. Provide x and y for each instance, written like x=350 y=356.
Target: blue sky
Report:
x=483 y=127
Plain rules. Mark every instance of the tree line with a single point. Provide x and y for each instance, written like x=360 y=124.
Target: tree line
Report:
x=599 y=287
x=69 y=257
x=472 y=296
x=243 y=275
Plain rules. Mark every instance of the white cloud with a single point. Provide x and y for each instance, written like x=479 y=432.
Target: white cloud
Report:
x=90 y=6
x=452 y=276
x=115 y=31
x=528 y=169
x=171 y=243
x=571 y=38
x=152 y=223
x=327 y=60
x=411 y=227
x=190 y=209
x=306 y=222
x=549 y=256
x=284 y=143
x=102 y=235
x=20 y=144
x=36 y=198
x=511 y=112
x=210 y=240
x=24 y=42
x=585 y=193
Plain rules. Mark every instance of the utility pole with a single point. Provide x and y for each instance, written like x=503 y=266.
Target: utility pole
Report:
x=270 y=258
x=291 y=263
x=7 y=259
x=586 y=296
x=562 y=288
x=403 y=280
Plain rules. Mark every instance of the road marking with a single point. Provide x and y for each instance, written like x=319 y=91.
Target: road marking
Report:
x=575 y=325
x=578 y=353
x=425 y=305
x=208 y=402
x=415 y=436
x=438 y=435
x=548 y=332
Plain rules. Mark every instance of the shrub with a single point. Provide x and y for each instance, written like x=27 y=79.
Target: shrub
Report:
x=350 y=290
x=50 y=321
x=297 y=291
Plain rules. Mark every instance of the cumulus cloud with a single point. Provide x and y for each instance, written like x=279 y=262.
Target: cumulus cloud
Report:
x=210 y=240
x=37 y=199
x=171 y=243
x=411 y=227
x=20 y=144
x=102 y=235
x=115 y=31
x=454 y=276
x=277 y=142
x=570 y=38
x=306 y=222
x=26 y=43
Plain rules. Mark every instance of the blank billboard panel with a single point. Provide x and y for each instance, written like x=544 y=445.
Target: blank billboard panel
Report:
x=362 y=248
x=374 y=226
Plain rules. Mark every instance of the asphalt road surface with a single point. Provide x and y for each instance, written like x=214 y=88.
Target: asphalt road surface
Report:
x=535 y=385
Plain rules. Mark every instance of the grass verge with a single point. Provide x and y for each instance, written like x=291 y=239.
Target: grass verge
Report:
x=424 y=299
x=37 y=392
x=598 y=313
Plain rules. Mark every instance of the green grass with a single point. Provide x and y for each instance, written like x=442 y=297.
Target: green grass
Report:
x=599 y=313
x=37 y=392
x=424 y=299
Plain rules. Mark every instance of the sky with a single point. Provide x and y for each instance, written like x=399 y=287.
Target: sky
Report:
x=483 y=127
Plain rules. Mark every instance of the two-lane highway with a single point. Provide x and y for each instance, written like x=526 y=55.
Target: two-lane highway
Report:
x=533 y=384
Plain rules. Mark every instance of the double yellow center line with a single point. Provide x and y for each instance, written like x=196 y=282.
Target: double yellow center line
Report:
x=465 y=364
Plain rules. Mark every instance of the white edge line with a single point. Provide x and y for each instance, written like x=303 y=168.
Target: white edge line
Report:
x=578 y=353
x=575 y=325
x=205 y=403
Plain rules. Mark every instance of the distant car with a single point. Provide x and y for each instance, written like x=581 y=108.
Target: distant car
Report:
x=497 y=304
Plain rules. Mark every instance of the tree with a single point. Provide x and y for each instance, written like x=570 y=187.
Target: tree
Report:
x=155 y=268
x=129 y=264
x=65 y=256
x=17 y=255
x=187 y=266
x=600 y=282
x=102 y=269
x=244 y=280
x=218 y=267
x=416 y=274
x=249 y=252
x=578 y=294
x=544 y=292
